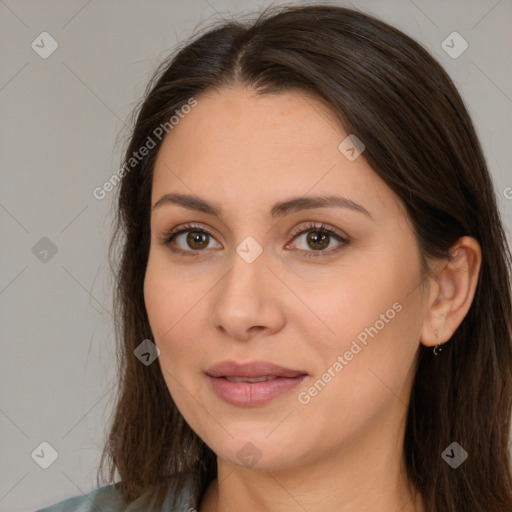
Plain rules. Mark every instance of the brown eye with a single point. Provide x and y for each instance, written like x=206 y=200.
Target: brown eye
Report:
x=197 y=240
x=190 y=240
x=318 y=240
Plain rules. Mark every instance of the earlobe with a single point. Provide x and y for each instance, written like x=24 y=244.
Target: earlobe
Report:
x=452 y=293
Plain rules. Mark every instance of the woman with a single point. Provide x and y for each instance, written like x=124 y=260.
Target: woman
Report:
x=314 y=290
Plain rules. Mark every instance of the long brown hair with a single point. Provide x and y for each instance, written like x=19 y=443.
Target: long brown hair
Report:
x=420 y=140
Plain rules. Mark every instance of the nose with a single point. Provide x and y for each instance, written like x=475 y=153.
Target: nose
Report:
x=247 y=300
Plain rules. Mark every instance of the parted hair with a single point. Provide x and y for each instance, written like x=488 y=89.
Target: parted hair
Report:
x=387 y=89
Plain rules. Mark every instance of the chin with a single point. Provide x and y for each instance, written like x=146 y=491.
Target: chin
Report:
x=261 y=451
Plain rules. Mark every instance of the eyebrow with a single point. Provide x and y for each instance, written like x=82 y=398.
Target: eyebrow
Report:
x=278 y=210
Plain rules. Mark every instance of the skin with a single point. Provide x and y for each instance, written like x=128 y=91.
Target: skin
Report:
x=342 y=451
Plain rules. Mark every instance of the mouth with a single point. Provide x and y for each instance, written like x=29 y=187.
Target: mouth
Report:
x=251 y=379
x=255 y=369
x=253 y=383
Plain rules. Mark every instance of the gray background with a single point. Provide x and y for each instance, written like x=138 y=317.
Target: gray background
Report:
x=60 y=119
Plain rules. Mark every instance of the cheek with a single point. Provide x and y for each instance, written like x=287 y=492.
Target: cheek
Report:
x=176 y=315
x=368 y=292
x=164 y=311
x=167 y=298
x=359 y=384
x=159 y=301
x=345 y=306
x=372 y=320
x=171 y=316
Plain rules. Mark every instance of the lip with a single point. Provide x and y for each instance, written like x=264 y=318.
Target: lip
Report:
x=253 y=369
x=252 y=393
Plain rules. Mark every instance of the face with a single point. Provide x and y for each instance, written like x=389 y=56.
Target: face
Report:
x=259 y=270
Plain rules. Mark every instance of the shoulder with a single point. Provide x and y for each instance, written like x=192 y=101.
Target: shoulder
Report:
x=106 y=499
x=109 y=499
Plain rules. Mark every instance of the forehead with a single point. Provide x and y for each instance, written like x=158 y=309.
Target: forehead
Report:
x=235 y=144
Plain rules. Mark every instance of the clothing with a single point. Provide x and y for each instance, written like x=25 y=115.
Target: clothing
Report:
x=108 y=499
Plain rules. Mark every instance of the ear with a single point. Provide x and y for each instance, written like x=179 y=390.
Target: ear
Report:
x=452 y=289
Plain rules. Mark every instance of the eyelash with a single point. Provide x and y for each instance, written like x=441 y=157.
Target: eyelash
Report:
x=168 y=238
